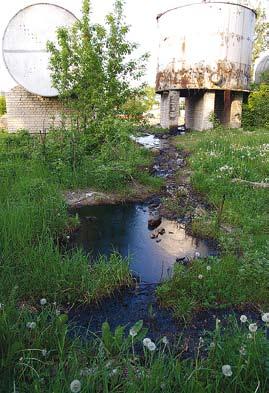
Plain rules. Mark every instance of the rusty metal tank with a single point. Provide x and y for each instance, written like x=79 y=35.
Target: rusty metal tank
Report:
x=205 y=45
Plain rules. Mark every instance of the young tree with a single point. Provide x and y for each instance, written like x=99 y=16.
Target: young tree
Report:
x=92 y=67
x=261 y=41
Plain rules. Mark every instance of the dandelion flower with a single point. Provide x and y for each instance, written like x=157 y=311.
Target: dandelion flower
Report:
x=165 y=340
x=243 y=318
x=151 y=346
x=75 y=386
x=265 y=317
x=208 y=268
x=146 y=341
x=132 y=332
x=253 y=327
x=43 y=302
x=200 y=276
x=31 y=325
x=227 y=370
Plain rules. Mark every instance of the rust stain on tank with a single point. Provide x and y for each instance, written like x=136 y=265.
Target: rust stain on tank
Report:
x=225 y=75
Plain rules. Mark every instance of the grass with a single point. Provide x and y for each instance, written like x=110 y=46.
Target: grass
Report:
x=38 y=352
x=43 y=358
x=32 y=216
x=238 y=220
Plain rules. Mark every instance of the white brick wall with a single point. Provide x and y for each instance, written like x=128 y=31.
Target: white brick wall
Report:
x=32 y=112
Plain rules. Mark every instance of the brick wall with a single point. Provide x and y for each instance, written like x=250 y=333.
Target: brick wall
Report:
x=32 y=112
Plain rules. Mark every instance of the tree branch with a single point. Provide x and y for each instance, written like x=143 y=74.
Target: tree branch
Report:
x=251 y=183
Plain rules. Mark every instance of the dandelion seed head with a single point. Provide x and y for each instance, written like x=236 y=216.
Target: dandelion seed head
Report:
x=243 y=318
x=31 y=325
x=243 y=351
x=200 y=277
x=113 y=372
x=208 y=268
x=44 y=352
x=43 y=301
x=227 y=370
x=265 y=317
x=165 y=340
x=132 y=332
x=146 y=341
x=151 y=346
x=253 y=327
x=75 y=386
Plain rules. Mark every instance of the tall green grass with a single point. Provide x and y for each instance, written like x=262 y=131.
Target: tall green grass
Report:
x=241 y=224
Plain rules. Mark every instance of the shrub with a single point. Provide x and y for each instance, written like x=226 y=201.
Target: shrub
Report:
x=256 y=112
x=2 y=106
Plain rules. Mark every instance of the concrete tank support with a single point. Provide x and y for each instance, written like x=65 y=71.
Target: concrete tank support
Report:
x=199 y=108
x=170 y=109
x=236 y=109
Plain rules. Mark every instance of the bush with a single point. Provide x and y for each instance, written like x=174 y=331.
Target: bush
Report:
x=256 y=112
x=2 y=106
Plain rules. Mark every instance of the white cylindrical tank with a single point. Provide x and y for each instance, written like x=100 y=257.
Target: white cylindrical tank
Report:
x=262 y=66
x=205 y=45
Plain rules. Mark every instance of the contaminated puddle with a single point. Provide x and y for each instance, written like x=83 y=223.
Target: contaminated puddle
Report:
x=124 y=228
x=153 y=253
x=150 y=141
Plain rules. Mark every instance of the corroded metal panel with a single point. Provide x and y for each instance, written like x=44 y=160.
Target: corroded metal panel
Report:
x=24 y=45
x=205 y=45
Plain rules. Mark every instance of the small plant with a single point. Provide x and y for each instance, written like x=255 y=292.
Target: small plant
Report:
x=3 y=108
x=215 y=122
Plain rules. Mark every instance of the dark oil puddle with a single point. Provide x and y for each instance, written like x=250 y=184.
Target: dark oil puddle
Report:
x=124 y=228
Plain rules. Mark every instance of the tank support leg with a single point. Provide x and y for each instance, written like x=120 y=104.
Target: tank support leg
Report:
x=170 y=109
x=236 y=110
x=199 y=108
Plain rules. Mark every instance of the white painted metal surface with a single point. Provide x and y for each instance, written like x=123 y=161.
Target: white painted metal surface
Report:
x=24 y=45
x=261 y=66
x=205 y=45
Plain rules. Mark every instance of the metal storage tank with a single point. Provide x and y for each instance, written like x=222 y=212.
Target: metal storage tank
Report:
x=33 y=104
x=205 y=52
x=261 y=67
